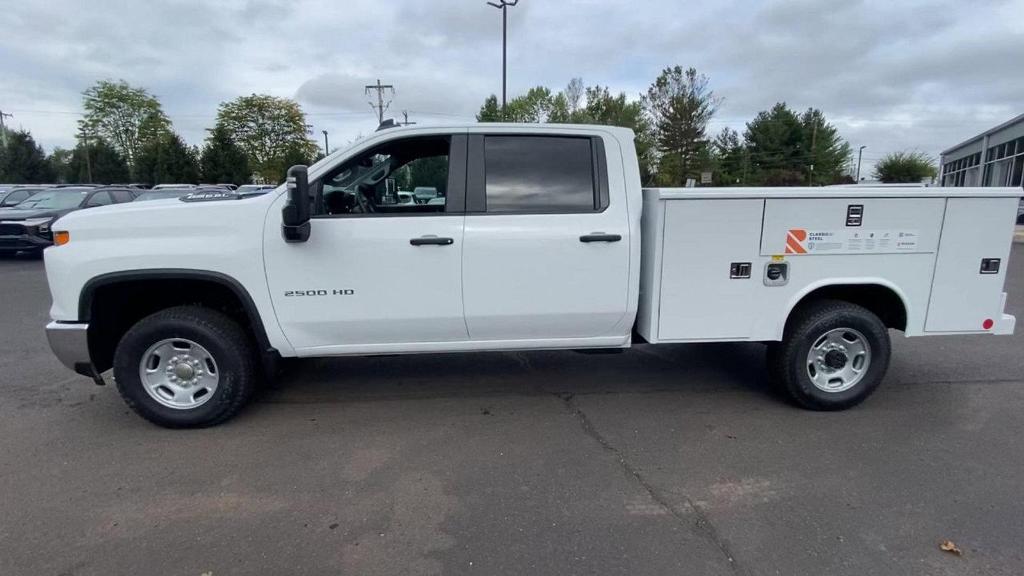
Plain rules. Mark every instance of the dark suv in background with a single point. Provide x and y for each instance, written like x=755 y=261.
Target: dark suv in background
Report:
x=26 y=226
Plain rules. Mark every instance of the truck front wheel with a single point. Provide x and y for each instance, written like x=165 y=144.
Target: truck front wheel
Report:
x=832 y=356
x=185 y=367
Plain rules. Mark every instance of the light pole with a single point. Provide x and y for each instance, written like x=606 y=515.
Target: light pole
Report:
x=327 y=150
x=503 y=6
x=860 y=154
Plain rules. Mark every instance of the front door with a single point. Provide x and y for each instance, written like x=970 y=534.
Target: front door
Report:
x=383 y=266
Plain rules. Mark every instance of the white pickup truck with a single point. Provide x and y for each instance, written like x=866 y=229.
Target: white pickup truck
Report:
x=539 y=237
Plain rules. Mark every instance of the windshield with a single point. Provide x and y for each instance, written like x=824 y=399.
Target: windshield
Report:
x=54 y=200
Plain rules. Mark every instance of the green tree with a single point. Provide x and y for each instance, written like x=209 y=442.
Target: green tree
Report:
x=680 y=105
x=293 y=156
x=579 y=105
x=902 y=167
x=222 y=160
x=96 y=161
x=490 y=111
x=825 y=153
x=167 y=160
x=774 y=141
x=125 y=116
x=60 y=165
x=268 y=129
x=731 y=161
x=22 y=161
x=784 y=146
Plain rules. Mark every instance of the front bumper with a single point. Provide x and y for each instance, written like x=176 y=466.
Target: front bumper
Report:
x=70 y=343
x=23 y=242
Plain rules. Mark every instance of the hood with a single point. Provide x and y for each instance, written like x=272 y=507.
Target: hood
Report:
x=13 y=214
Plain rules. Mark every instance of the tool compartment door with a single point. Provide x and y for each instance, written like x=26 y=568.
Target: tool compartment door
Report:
x=963 y=297
x=702 y=239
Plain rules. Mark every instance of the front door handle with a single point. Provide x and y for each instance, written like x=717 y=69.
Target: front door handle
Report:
x=600 y=237
x=431 y=240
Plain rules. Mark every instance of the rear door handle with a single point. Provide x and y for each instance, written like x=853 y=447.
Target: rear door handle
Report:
x=431 y=240
x=600 y=237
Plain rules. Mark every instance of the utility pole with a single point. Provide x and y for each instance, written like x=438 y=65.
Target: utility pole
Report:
x=860 y=154
x=88 y=163
x=405 y=115
x=3 y=129
x=380 y=106
x=814 y=155
x=503 y=6
x=327 y=149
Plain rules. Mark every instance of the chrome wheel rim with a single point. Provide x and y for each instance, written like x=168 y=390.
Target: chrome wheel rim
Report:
x=838 y=360
x=179 y=373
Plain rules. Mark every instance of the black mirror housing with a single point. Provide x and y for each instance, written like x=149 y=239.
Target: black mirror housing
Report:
x=295 y=215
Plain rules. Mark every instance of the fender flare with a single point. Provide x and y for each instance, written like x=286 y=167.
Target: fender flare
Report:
x=85 y=298
x=795 y=300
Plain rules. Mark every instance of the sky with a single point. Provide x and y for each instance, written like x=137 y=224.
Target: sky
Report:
x=891 y=75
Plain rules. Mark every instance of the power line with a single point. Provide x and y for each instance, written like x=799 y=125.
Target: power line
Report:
x=405 y=115
x=380 y=106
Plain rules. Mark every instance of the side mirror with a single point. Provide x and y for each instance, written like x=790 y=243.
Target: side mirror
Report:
x=295 y=215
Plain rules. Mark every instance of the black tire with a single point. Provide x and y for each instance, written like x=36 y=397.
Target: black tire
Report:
x=225 y=340
x=789 y=365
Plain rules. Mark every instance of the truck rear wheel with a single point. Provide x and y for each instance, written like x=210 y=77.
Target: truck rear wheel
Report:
x=185 y=367
x=833 y=355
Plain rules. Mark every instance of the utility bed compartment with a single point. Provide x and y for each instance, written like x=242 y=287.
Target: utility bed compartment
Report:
x=706 y=257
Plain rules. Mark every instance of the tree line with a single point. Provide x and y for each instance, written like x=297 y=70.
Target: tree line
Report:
x=125 y=136
x=672 y=123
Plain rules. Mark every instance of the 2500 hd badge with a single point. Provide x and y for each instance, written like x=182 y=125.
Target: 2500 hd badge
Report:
x=340 y=292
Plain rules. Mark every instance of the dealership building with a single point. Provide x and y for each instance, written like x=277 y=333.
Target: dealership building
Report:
x=992 y=158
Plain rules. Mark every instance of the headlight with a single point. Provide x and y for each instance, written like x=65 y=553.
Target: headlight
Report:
x=42 y=224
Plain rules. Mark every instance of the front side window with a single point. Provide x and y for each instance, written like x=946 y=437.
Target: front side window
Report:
x=407 y=176
x=527 y=174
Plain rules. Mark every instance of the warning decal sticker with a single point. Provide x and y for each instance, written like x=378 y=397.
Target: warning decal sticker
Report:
x=803 y=241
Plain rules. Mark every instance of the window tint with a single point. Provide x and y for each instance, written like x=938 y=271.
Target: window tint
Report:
x=99 y=199
x=408 y=176
x=539 y=174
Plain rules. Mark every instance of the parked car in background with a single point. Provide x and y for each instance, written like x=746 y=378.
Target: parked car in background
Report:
x=162 y=194
x=424 y=194
x=133 y=185
x=14 y=195
x=26 y=227
x=162 y=186
x=254 y=189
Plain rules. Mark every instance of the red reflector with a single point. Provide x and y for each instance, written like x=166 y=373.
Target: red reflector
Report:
x=987 y=324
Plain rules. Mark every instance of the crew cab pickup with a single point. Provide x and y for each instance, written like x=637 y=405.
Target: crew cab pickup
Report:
x=538 y=237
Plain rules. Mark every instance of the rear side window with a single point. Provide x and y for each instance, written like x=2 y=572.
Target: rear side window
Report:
x=531 y=174
x=99 y=199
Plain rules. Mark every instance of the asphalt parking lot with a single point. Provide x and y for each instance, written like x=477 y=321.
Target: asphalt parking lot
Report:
x=659 y=460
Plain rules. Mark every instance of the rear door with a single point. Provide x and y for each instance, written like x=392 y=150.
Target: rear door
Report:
x=546 y=252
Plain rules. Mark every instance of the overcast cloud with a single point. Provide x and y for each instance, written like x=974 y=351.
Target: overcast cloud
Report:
x=892 y=75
